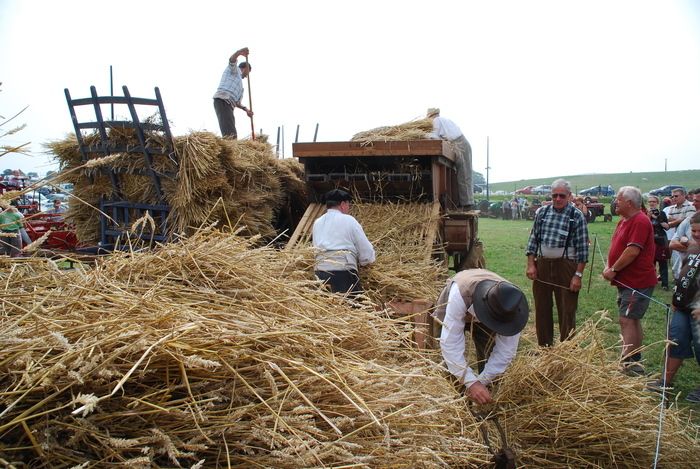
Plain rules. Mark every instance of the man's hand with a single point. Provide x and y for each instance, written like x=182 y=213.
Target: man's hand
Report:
x=249 y=112
x=575 y=284
x=478 y=393
x=609 y=274
x=531 y=271
x=244 y=52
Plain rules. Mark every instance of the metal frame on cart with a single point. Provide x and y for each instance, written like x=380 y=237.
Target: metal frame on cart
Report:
x=118 y=212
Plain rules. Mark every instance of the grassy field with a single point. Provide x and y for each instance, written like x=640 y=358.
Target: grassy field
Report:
x=505 y=242
x=645 y=181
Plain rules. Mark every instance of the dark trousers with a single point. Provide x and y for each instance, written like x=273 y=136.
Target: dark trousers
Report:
x=341 y=281
x=557 y=271
x=224 y=113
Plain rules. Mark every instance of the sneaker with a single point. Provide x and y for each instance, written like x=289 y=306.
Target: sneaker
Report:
x=693 y=396
x=632 y=369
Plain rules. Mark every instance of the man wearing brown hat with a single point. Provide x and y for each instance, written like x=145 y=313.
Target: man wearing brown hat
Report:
x=341 y=245
x=445 y=129
x=495 y=312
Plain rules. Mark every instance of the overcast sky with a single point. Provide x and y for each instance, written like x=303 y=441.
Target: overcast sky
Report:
x=560 y=87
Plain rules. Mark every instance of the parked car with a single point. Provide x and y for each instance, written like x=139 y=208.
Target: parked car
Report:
x=542 y=189
x=599 y=190
x=665 y=191
x=525 y=190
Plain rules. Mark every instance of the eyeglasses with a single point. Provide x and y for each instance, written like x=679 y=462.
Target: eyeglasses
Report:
x=675 y=196
x=560 y=196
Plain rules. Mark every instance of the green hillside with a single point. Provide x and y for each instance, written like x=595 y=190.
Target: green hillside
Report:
x=645 y=181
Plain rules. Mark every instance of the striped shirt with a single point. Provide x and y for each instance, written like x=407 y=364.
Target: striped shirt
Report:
x=551 y=230
x=231 y=86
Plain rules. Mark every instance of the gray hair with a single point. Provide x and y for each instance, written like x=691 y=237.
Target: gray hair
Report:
x=679 y=189
x=562 y=183
x=632 y=194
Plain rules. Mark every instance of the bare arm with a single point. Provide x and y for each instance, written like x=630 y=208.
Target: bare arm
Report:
x=628 y=256
x=234 y=58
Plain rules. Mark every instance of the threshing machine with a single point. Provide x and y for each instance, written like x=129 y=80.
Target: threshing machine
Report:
x=414 y=170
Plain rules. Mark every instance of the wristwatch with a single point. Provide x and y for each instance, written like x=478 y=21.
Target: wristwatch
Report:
x=578 y=274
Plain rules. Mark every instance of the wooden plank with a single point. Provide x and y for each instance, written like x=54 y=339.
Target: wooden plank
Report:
x=302 y=233
x=391 y=148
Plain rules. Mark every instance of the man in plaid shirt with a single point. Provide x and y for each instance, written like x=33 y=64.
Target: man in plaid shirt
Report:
x=230 y=92
x=557 y=253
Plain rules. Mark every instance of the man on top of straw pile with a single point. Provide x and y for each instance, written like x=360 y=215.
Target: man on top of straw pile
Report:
x=230 y=92
x=631 y=269
x=447 y=130
x=557 y=254
x=341 y=243
x=495 y=311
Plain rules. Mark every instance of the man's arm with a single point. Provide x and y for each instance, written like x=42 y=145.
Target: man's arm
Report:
x=452 y=338
x=575 y=284
x=626 y=258
x=581 y=253
x=503 y=352
x=365 y=250
x=240 y=52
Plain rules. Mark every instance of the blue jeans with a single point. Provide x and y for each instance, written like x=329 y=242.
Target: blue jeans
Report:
x=685 y=332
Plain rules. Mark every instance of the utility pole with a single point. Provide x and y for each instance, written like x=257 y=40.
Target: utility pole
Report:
x=487 y=169
x=665 y=164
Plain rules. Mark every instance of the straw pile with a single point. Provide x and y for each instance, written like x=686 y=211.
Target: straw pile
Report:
x=412 y=130
x=569 y=406
x=211 y=353
x=235 y=182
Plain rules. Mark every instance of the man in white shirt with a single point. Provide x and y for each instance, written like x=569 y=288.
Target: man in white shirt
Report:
x=342 y=245
x=445 y=129
x=495 y=311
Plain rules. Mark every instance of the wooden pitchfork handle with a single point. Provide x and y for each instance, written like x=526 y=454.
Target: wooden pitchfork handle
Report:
x=250 y=101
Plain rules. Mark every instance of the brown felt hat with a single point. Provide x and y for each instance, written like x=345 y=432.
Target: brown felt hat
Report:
x=500 y=306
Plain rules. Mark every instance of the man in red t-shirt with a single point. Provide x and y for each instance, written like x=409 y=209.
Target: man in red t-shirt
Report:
x=631 y=269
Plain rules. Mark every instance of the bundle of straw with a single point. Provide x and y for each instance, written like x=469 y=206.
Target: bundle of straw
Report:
x=212 y=353
x=405 y=268
x=412 y=130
